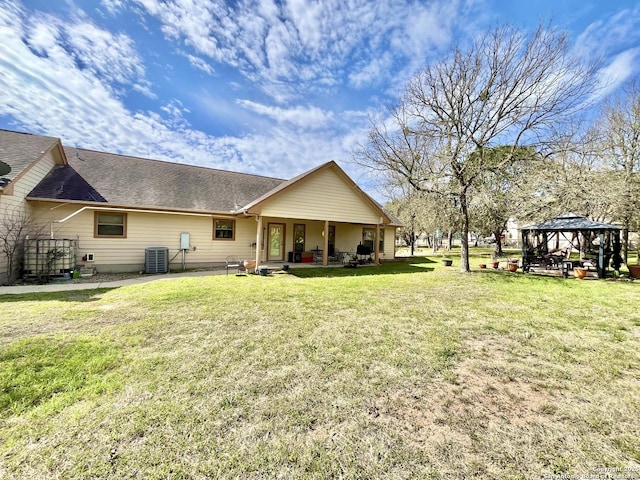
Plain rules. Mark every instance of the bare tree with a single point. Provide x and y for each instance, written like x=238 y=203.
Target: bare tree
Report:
x=13 y=229
x=621 y=145
x=499 y=194
x=507 y=88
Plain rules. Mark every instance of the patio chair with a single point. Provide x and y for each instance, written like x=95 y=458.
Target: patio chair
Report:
x=234 y=261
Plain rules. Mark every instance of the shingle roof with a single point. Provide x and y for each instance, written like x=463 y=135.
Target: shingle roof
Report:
x=19 y=150
x=570 y=222
x=132 y=181
x=125 y=181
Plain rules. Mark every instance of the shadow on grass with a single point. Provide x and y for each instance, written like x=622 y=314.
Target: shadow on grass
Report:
x=416 y=265
x=88 y=295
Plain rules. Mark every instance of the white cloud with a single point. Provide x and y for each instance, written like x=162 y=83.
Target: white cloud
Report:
x=113 y=6
x=50 y=92
x=618 y=71
x=611 y=34
x=200 y=64
x=305 y=117
x=294 y=47
x=371 y=73
x=110 y=56
x=80 y=45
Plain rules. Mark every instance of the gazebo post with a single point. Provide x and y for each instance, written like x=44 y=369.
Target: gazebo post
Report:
x=617 y=259
x=525 y=248
x=601 y=265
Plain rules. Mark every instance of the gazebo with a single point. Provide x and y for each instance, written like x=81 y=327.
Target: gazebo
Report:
x=549 y=244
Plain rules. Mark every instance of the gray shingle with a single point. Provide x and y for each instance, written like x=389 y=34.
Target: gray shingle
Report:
x=133 y=181
x=19 y=150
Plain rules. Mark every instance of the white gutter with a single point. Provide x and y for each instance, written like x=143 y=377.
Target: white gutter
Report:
x=136 y=210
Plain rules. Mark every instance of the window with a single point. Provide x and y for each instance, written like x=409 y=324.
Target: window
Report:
x=110 y=225
x=298 y=237
x=224 y=229
x=332 y=240
x=368 y=237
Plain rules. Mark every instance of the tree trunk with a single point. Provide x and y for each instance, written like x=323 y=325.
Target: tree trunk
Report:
x=498 y=234
x=464 y=235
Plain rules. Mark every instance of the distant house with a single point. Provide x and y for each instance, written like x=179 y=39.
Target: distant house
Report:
x=114 y=208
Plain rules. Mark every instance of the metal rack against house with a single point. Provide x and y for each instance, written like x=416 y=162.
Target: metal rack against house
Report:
x=49 y=257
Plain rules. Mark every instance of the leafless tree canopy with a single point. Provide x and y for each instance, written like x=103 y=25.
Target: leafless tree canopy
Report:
x=508 y=88
x=620 y=141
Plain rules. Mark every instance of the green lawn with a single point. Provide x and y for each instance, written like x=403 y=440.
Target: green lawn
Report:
x=408 y=370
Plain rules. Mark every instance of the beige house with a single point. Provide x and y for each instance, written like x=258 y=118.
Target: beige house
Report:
x=115 y=209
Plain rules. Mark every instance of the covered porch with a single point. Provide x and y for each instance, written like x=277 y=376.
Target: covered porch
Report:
x=320 y=216
x=320 y=242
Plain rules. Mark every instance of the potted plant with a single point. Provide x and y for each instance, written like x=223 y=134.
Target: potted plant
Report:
x=512 y=266
x=580 y=272
x=634 y=270
x=495 y=263
x=446 y=261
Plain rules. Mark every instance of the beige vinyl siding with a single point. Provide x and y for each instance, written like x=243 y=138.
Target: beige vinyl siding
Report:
x=33 y=175
x=323 y=196
x=14 y=204
x=148 y=230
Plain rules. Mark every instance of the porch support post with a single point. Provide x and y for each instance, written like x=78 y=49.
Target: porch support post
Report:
x=325 y=247
x=376 y=245
x=258 y=241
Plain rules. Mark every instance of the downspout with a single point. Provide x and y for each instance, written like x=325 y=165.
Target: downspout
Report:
x=134 y=210
x=258 y=240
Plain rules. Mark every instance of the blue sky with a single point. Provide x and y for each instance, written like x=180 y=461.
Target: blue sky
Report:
x=267 y=87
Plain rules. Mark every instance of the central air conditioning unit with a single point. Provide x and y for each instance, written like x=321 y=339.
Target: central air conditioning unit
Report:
x=156 y=260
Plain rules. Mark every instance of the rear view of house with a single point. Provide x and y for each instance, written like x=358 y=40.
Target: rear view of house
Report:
x=112 y=212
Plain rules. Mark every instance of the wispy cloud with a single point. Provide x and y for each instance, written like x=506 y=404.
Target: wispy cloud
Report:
x=306 y=117
x=287 y=84
x=623 y=67
x=65 y=90
x=610 y=34
x=613 y=42
x=291 y=47
x=80 y=45
x=200 y=64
